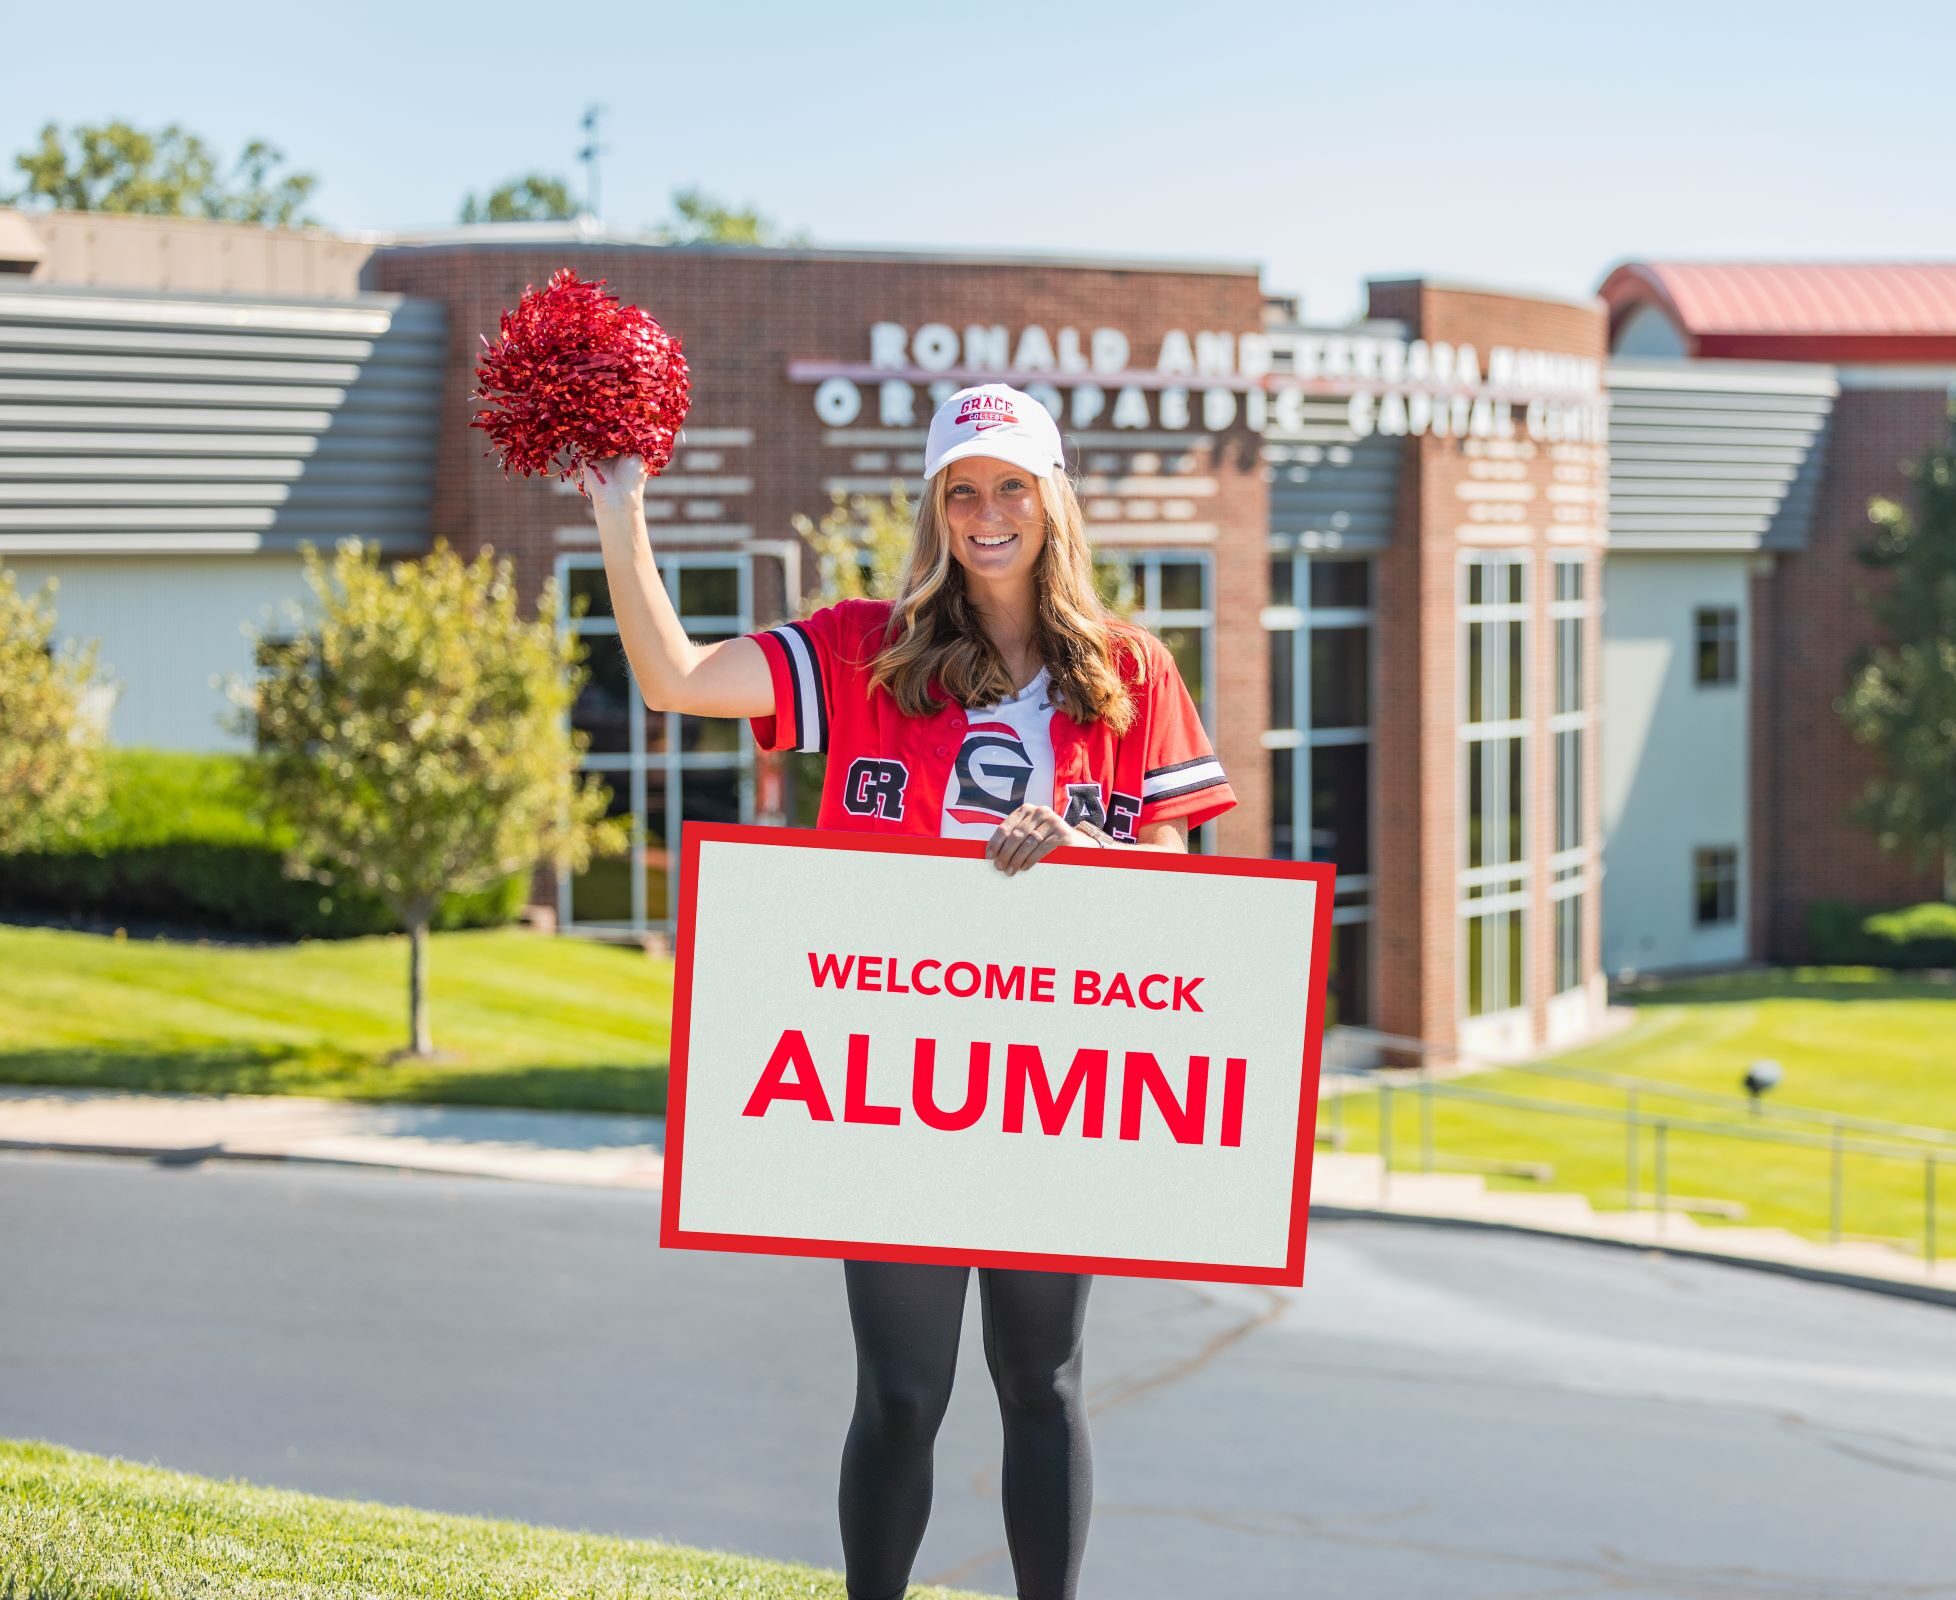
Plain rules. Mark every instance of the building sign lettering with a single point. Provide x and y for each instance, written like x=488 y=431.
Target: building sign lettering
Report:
x=1208 y=379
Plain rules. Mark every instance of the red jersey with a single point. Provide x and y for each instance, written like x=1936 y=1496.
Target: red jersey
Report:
x=891 y=773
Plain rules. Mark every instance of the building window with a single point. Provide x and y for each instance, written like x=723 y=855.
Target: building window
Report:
x=1569 y=725
x=1715 y=886
x=1341 y=677
x=1570 y=719
x=1494 y=874
x=1568 y=789
x=1339 y=585
x=1716 y=633
x=1494 y=795
x=1168 y=592
x=1348 y=985
x=1494 y=961
x=1568 y=661
x=1341 y=792
x=660 y=768
x=1568 y=943
x=1320 y=743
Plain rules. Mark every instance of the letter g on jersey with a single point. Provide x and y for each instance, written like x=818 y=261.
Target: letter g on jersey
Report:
x=874 y=788
x=991 y=773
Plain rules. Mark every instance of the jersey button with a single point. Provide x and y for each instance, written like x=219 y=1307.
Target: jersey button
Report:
x=944 y=749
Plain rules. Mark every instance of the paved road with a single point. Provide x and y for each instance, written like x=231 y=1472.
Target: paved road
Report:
x=1438 y=1413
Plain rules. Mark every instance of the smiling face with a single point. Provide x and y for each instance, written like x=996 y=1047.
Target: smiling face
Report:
x=995 y=520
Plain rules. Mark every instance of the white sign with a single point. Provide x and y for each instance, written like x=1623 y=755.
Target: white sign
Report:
x=1208 y=378
x=887 y=1049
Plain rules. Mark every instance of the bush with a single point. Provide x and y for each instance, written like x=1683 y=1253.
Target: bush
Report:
x=1840 y=934
x=178 y=841
x=1927 y=932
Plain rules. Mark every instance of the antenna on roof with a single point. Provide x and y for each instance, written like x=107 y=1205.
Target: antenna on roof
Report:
x=589 y=156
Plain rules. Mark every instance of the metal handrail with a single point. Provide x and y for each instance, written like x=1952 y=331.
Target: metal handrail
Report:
x=1737 y=1130
x=1659 y=1087
x=1762 y=1108
x=1836 y=1143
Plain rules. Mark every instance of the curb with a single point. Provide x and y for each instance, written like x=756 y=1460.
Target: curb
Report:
x=176 y=1155
x=196 y=1155
x=1925 y=1293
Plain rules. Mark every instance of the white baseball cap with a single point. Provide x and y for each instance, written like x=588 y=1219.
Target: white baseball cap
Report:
x=994 y=419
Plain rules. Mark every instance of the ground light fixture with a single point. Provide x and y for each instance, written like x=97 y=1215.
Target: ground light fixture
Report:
x=1759 y=1077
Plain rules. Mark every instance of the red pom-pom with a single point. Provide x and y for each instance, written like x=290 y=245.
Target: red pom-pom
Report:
x=577 y=377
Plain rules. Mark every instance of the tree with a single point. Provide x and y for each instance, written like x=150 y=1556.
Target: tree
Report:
x=119 y=168
x=416 y=738
x=860 y=545
x=1901 y=695
x=536 y=197
x=700 y=219
x=50 y=748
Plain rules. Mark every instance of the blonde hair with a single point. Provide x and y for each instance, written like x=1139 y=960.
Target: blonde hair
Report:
x=934 y=629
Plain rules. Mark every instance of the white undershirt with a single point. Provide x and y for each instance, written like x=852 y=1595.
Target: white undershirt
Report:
x=1006 y=759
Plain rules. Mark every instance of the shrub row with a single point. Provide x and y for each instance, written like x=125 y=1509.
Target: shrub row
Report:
x=178 y=842
x=1840 y=934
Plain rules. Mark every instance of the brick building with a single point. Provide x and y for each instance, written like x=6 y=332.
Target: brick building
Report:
x=1756 y=409
x=1300 y=512
x=1378 y=551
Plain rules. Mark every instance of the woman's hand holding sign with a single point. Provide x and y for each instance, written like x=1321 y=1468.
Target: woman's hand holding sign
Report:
x=1033 y=832
x=1030 y=834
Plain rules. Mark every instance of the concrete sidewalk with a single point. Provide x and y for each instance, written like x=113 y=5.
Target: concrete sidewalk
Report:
x=629 y=1152
x=1345 y=1184
x=535 y=1146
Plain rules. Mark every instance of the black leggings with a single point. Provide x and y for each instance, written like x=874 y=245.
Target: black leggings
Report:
x=907 y=1318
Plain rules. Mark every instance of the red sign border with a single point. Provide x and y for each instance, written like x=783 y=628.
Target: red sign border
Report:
x=672 y=1236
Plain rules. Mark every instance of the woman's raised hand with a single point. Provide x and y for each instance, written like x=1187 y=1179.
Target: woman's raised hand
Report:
x=623 y=488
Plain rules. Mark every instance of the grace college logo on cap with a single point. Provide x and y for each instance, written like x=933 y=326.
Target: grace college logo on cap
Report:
x=987 y=410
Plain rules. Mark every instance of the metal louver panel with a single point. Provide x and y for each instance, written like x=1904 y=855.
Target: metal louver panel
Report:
x=1330 y=489
x=1715 y=455
x=135 y=421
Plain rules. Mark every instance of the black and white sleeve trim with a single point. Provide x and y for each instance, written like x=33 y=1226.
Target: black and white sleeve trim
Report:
x=810 y=688
x=1184 y=777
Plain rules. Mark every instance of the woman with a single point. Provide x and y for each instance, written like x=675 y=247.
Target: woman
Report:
x=995 y=698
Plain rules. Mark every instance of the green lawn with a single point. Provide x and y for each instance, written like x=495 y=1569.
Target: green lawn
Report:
x=1853 y=1039
x=533 y=1020
x=84 y=1527
x=530 y=1019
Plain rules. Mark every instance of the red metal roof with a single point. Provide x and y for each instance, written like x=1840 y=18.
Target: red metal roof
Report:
x=1814 y=310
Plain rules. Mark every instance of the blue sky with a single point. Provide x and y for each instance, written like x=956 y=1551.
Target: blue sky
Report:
x=1526 y=144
